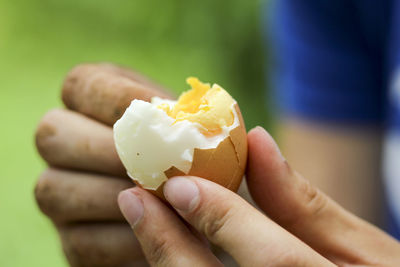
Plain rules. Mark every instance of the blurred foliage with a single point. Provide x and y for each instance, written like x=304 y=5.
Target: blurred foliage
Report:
x=218 y=41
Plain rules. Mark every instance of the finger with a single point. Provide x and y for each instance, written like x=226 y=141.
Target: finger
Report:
x=133 y=75
x=165 y=240
x=103 y=94
x=68 y=139
x=74 y=196
x=233 y=224
x=101 y=244
x=305 y=211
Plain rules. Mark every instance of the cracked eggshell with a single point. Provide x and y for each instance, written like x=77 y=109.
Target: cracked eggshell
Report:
x=224 y=165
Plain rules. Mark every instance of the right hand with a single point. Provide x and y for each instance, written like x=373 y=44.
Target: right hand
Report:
x=79 y=189
x=303 y=226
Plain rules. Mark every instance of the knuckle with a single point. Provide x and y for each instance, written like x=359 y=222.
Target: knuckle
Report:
x=215 y=222
x=315 y=200
x=284 y=259
x=160 y=251
x=310 y=203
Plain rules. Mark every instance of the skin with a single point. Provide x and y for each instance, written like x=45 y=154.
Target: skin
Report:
x=80 y=189
x=304 y=227
x=354 y=153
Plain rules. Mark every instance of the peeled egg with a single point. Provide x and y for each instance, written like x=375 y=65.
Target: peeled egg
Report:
x=202 y=134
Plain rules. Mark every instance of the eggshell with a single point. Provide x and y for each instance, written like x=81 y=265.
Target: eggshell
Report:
x=224 y=165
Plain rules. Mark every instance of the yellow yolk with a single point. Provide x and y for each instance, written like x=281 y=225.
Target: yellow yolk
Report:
x=211 y=107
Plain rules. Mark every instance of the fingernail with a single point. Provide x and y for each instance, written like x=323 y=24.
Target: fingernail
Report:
x=131 y=207
x=261 y=129
x=182 y=193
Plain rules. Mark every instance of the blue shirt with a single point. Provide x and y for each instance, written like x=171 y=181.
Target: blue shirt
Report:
x=339 y=61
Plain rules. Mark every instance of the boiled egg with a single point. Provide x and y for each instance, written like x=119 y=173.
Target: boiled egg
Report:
x=200 y=134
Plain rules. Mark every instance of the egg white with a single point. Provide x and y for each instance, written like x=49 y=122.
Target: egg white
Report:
x=149 y=142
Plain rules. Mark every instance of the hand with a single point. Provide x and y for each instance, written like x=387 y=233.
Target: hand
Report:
x=303 y=228
x=79 y=190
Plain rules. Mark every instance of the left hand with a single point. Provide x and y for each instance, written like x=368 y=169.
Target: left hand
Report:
x=303 y=228
x=79 y=190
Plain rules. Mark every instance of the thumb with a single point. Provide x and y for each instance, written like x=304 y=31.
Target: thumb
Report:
x=289 y=199
x=231 y=223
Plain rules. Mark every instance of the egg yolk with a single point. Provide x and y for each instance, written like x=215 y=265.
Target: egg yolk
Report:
x=211 y=107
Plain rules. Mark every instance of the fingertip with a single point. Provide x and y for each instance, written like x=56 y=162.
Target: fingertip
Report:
x=160 y=230
x=258 y=136
x=260 y=140
x=267 y=170
x=264 y=154
x=131 y=206
x=258 y=130
x=122 y=196
x=182 y=193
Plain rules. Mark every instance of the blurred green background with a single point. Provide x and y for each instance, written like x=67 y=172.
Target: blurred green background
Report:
x=40 y=41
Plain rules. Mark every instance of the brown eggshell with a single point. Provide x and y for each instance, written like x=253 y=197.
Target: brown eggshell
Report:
x=224 y=165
